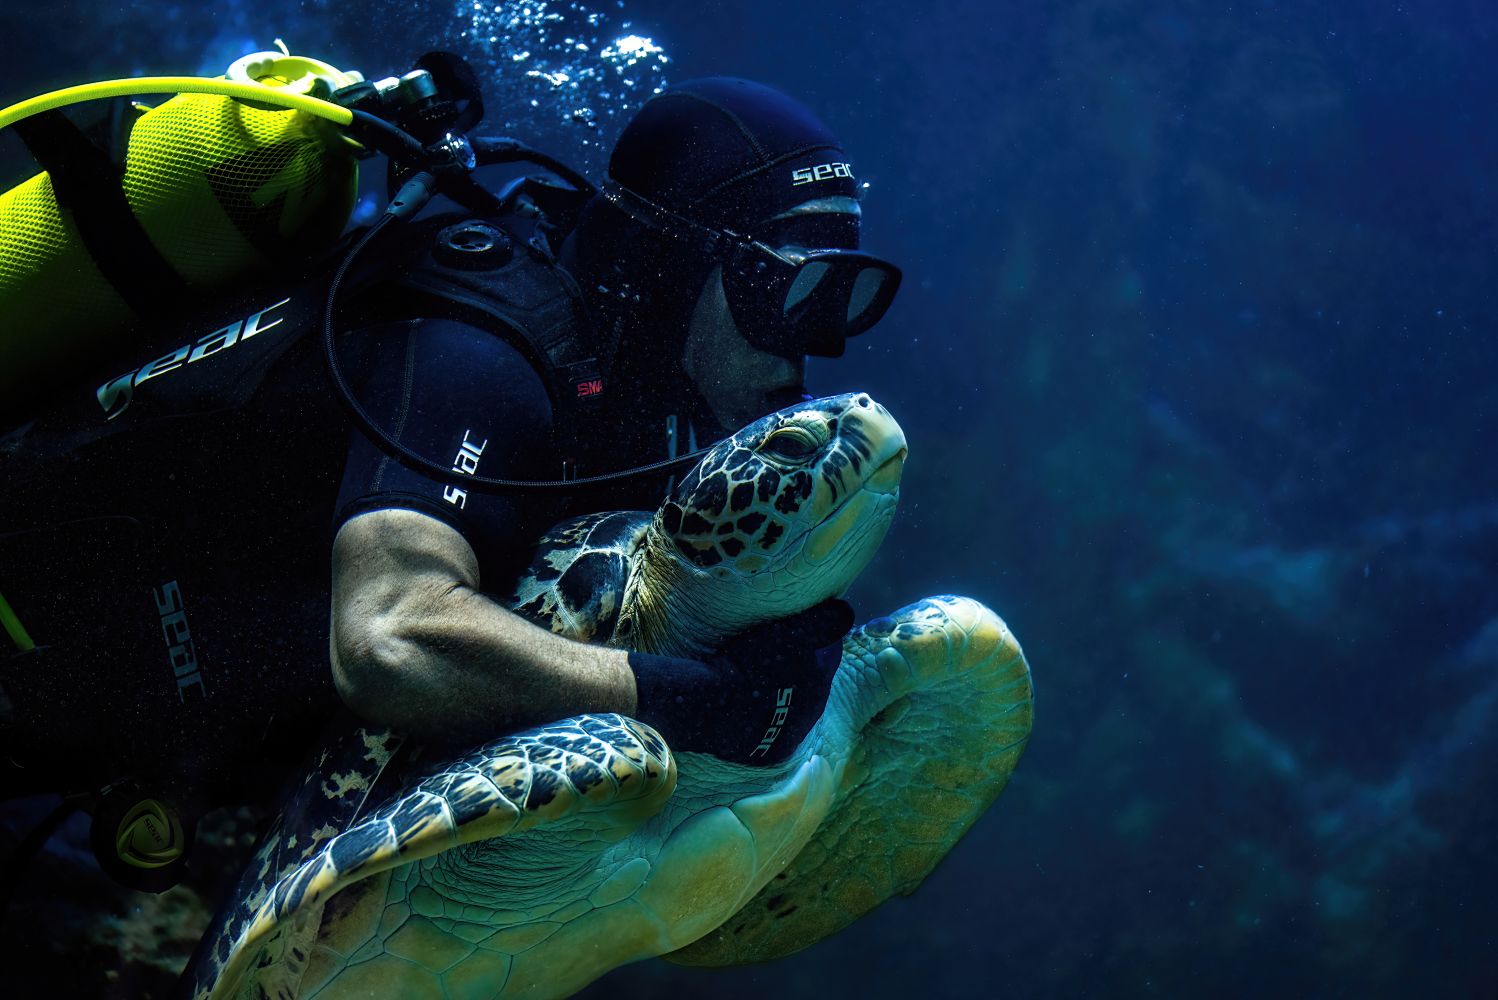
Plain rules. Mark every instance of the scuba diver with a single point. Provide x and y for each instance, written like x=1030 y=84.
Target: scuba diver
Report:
x=172 y=583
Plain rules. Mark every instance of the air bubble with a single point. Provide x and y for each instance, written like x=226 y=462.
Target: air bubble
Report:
x=567 y=50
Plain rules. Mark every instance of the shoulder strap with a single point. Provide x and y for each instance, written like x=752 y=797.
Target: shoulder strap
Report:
x=476 y=271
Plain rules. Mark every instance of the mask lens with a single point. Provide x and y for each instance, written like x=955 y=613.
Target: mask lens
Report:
x=794 y=302
x=865 y=289
x=808 y=277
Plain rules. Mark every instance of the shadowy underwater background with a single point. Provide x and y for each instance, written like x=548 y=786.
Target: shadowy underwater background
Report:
x=1195 y=355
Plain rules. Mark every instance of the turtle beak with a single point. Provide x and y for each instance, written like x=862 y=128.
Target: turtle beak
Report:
x=886 y=444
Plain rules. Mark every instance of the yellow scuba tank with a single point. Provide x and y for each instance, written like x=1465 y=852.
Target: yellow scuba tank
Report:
x=222 y=185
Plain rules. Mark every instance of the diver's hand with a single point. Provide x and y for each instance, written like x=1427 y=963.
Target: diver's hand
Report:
x=757 y=698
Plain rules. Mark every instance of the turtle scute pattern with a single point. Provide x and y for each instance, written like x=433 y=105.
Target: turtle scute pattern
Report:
x=740 y=504
x=537 y=863
x=616 y=770
x=575 y=585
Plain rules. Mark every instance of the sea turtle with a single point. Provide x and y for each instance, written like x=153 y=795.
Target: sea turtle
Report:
x=534 y=864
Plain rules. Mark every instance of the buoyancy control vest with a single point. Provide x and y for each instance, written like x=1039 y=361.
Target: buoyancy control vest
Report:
x=495 y=272
x=79 y=415
x=500 y=274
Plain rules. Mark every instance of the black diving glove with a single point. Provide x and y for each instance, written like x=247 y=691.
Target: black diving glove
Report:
x=757 y=698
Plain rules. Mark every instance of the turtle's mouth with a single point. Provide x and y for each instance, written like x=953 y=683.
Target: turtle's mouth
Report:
x=857 y=524
x=886 y=478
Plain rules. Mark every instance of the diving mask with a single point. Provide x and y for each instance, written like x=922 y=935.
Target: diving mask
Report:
x=789 y=300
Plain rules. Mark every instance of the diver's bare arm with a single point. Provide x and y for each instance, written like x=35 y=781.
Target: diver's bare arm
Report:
x=417 y=647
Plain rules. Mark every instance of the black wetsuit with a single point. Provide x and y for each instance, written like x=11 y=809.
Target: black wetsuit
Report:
x=176 y=577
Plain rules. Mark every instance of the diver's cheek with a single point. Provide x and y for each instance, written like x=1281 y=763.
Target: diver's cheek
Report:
x=745 y=384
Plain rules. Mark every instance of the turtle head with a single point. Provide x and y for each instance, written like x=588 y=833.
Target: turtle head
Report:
x=789 y=509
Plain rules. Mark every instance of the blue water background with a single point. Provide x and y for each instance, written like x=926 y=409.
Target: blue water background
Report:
x=1196 y=356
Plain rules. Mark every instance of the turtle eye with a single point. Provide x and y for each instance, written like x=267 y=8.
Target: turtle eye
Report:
x=794 y=443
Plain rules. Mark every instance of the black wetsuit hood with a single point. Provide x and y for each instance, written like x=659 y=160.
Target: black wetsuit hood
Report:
x=722 y=152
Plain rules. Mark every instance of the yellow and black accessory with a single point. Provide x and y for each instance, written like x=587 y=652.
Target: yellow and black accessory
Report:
x=236 y=176
x=248 y=177
x=141 y=840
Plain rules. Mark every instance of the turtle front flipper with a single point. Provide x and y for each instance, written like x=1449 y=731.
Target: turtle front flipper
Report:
x=608 y=766
x=928 y=717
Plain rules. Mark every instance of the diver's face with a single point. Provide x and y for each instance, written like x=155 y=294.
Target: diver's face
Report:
x=740 y=382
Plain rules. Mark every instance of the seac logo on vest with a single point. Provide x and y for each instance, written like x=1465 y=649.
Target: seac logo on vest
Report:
x=115 y=395
x=467 y=463
x=180 y=652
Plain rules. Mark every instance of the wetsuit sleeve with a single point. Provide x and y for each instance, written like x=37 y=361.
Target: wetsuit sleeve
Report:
x=465 y=398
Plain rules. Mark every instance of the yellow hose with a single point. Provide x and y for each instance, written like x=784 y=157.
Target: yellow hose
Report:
x=14 y=628
x=335 y=113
